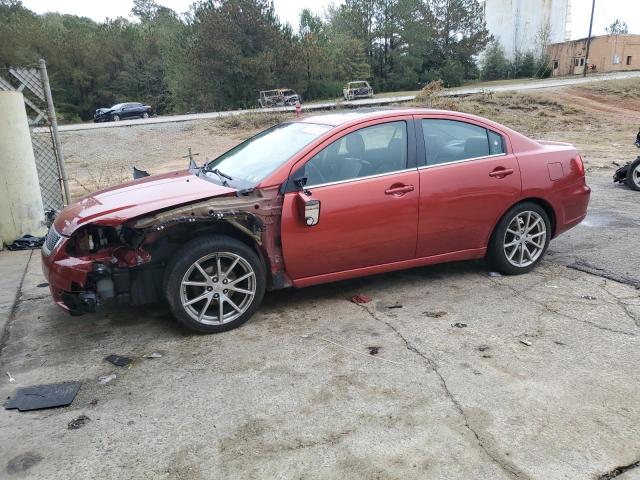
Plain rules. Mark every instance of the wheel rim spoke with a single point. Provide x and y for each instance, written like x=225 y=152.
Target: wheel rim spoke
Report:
x=230 y=269
x=196 y=299
x=206 y=305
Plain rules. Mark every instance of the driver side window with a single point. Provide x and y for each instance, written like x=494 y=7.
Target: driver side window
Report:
x=374 y=150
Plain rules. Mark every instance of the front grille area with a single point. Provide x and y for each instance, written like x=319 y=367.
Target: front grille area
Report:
x=50 y=241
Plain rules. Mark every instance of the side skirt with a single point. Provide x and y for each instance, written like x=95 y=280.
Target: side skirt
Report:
x=390 y=267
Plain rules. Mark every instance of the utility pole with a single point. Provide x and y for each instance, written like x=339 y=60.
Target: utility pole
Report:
x=586 y=59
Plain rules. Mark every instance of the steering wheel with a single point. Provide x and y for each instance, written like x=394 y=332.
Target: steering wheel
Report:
x=312 y=170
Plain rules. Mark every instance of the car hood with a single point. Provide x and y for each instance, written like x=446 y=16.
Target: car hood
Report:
x=116 y=205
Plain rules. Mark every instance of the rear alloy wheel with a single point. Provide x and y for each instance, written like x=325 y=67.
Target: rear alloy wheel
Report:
x=115 y=118
x=520 y=239
x=633 y=175
x=215 y=284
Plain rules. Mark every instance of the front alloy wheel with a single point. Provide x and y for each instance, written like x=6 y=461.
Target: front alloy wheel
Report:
x=520 y=239
x=218 y=288
x=214 y=283
x=115 y=118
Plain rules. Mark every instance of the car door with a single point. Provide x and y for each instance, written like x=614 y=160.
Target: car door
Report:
x=367 y=185
x=468 y=179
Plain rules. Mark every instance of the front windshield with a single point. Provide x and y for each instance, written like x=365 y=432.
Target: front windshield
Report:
x=250 y=162
x=117 y=106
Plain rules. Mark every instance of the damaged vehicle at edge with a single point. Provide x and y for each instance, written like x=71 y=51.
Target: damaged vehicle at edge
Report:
x=629 y=174
x=316 y=200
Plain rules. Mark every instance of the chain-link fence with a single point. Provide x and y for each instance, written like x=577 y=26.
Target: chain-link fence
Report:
x=33 y=83
x=49 y=176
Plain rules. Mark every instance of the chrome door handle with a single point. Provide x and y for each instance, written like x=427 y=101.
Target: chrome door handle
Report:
x=399 y=190
x=501 y=172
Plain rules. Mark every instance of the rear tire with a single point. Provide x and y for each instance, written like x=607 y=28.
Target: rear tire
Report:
x=633 y=175
x=214 y=284
x=520 y=239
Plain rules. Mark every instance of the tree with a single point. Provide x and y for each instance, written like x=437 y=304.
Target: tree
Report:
x=618 y=27
x=495 y=65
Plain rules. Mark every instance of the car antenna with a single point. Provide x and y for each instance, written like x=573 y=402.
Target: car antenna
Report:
x=192 y=162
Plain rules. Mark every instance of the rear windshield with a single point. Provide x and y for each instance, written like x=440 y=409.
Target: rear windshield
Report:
x=254 y=159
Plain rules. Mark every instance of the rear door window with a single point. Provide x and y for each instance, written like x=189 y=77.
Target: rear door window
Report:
x=449 y=141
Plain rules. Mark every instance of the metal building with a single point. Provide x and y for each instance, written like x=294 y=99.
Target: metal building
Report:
x=527 y=25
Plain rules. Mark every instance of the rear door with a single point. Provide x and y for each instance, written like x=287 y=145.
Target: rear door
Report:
x=468 y=178
x=367 y=185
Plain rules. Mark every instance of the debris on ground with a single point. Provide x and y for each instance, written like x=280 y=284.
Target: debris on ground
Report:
x=119 y=361
x=495 y=274
x=589 y=297
x=374 y=350
x=360 y=298
x=42 y=285
x=153 y=355
x=93 y=402
x=435 y=314
x=526 y=342
x=79 y=422
x=11 y=379
x=483 y=348
x=551 y=286
x=26 y=242
x=103 y=380
x=43 y=396
x=558 y=342
x=394 y=305
x=459 y=325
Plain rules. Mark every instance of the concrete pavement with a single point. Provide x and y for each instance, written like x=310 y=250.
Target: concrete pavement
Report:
x=453 y=392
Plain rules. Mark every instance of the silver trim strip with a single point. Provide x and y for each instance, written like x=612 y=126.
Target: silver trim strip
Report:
x=463 y=160
x=337 y=182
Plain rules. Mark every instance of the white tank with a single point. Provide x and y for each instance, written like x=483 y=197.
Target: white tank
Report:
x=518 y=24
x=21 y=209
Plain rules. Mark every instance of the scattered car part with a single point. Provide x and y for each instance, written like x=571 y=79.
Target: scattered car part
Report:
x=153 y=355
x=629 y=174
x=43 y=396
x=119 y=361
x=26 y=242
x=137 y=173
x=78 y=422
x=104 y=379
x=357 y=89
x=360 y=298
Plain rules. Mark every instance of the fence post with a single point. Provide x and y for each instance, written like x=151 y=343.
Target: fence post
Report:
x=54 y=128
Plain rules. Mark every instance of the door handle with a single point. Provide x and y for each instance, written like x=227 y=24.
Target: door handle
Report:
x=501 y=172
x=399 y=190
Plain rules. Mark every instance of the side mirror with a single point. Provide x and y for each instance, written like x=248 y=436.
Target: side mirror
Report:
x=310 y=209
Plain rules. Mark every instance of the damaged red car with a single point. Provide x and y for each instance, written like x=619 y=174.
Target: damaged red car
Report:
x=321 y=199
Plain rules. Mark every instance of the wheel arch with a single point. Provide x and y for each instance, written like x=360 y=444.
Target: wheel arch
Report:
x=542 y=203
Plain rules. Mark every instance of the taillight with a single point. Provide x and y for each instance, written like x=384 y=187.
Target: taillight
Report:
x=580 y=165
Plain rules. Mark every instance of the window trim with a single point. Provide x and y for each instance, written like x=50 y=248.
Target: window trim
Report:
x=421 y=146
x=411 y=164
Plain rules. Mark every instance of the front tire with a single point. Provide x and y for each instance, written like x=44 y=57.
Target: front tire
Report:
x=214 y=284
x=115 y=118
x=520 y=239
x=633 y=175
x=145 y=115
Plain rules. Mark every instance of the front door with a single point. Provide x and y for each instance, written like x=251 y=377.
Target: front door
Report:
x=468 y=179
x=368 y=188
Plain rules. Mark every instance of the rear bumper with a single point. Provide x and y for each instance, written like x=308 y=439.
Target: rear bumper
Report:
x=571 y=206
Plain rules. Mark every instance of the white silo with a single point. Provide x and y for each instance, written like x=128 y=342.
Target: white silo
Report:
x=527 y=25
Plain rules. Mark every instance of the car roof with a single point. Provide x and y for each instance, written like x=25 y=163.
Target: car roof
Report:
x=361 y=115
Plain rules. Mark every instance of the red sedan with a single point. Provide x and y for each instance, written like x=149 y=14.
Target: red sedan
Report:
x=326 y=198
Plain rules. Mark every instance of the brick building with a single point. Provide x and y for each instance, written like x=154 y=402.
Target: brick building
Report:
x=608 y=53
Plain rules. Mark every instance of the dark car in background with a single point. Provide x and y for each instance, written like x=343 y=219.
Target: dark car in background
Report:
x=122 y=111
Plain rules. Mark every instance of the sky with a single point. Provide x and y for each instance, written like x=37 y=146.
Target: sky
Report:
x=289 y=10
